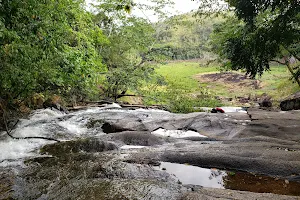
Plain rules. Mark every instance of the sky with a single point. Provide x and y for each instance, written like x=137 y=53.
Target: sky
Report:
x=184 y=6
x=180 y=6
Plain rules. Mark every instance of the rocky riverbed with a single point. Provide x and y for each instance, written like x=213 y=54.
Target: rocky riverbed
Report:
x=115 y=153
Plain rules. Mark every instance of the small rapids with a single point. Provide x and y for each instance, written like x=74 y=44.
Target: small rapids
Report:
x=58 y=125
x=177 y=133
x=114 y=153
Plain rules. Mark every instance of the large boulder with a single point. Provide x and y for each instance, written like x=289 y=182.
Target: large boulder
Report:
x=291 y=103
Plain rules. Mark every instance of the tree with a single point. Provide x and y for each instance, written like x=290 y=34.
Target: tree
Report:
x=268 y=30
x=47 y=46
x=183 y=37
x=130 y=51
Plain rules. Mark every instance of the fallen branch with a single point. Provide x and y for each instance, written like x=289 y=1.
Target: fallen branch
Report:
x=140 y=106
x=279 y=62
x=122 y=105
x=129 y=95
x=98 y=102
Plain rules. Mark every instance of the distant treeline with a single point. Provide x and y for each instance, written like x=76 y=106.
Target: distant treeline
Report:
x=182 y=37
x=178 y=53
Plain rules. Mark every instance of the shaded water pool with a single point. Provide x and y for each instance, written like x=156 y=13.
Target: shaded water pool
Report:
x=214 y=178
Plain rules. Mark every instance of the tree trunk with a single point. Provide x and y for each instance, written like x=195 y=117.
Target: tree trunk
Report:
x=287 y=63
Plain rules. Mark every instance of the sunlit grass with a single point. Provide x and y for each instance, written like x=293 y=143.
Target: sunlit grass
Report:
x=275 y=82
x=182 y=73
x=187 y=90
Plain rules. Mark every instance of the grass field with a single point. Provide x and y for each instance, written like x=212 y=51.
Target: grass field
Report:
x=181 y=73
x=275 y=83
x=191 y=86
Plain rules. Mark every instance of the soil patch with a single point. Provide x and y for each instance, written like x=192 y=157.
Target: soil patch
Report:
x=234 y=79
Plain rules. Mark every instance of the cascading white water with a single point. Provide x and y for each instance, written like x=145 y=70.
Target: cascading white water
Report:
x=13 y=150
x=55 y=124
x=52 y=124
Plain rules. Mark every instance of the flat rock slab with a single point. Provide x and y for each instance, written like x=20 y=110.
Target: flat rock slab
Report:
x=212 y=194
x=279 y=125
x=259 y=114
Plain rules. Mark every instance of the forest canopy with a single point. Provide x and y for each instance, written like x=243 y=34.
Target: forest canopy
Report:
x=48 y=46
x=260 y=32
x=60 y=47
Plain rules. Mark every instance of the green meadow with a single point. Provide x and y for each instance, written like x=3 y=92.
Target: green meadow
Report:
x=187 y=75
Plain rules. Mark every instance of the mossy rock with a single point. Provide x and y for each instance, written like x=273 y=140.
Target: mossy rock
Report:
x=90 y=145
x=138 y=138
x=95 y=123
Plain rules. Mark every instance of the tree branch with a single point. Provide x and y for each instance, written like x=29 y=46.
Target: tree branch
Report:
x=9 y=131
x=287 y=64
x=282 y=63
x=292 y=53
x=292 y=71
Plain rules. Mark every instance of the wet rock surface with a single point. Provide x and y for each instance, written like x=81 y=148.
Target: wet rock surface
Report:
x=6 y=184
x=142 y=138
x=94 y=163
x=211 y=194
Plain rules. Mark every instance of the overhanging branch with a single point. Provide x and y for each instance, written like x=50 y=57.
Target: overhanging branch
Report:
x=282 y=63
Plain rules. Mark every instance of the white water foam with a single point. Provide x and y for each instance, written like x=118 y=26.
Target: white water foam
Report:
x=44 y=123
x=14 y=149
x=233 y=109
x=125 y=147
x=28 y=131
x=177 y=133
x=73 y=127
x=45 y=114
x=227 y=109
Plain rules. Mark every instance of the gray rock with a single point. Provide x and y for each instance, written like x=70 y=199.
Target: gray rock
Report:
x=265 y=101
x=291 y=103
x=213 y=194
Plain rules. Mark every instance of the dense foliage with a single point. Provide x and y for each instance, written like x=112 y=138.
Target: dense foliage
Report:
x=61 y=47
x=182 y=37
x=263 y=31
x=129 y=57
x=58 y=47
x=47 y=46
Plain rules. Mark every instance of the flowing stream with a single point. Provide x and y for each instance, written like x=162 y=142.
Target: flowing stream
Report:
x=55 y=124
x=112 y=153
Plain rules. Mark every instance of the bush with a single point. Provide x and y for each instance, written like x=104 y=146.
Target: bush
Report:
x=178 y=99
x=187 y=104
